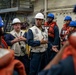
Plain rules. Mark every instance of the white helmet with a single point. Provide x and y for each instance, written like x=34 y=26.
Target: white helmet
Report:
x=16 y=20
x=39 y=16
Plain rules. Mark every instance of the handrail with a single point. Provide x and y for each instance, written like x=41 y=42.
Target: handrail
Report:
x=4 y=5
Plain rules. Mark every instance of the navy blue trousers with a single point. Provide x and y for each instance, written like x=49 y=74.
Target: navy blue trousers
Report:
x=37 y=63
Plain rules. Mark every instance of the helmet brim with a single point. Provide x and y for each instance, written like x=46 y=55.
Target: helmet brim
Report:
x=16 y=23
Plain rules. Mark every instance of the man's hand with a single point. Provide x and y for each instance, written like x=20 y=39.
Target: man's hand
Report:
x=21 y=38
x=15 y=40
x=18 y=39
x=54 y=48
x=43 y=41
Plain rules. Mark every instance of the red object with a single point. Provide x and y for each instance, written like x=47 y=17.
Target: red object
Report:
x=70 y=51
x=72 y=39
x=3 y=44
x=8 y=64
x=51 y=28
x=65 y=27
x=64 y=33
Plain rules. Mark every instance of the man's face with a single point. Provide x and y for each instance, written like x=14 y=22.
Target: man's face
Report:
x=39 y=22
x=72 y=29
x=67 y=22
x=49 y=20
x=17 y=27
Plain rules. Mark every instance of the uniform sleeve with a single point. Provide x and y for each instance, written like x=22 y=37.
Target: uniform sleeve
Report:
x=30 y=39
x=25 y=35
x=62 y=68
x=8 y=39
x=57 y=38
x=55 y=70
x=43 y=72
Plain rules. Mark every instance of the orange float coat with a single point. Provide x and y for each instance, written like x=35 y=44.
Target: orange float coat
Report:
x=8 y=64
x=64 y=33
x=70 y=51
x=51 y=28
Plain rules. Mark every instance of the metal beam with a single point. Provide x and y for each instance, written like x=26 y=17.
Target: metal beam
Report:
x=45 y=9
